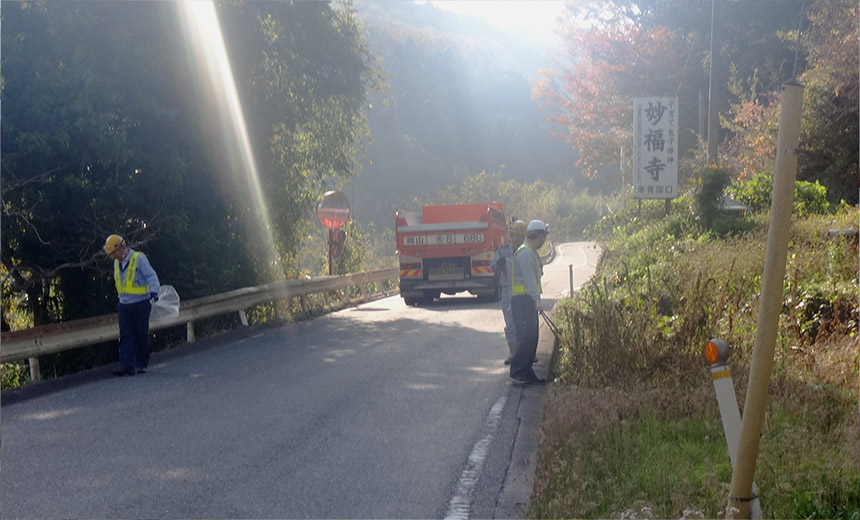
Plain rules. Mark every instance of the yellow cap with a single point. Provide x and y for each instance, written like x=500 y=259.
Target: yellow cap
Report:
x=518 y=228
x=113 y=242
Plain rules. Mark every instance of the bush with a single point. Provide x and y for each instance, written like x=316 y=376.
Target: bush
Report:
x=638 y=328
x=810 y=198
x=755 y=193
x=13 y=375
x=708 y=196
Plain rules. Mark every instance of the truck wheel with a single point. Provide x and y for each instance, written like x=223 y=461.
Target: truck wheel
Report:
x=429 y=296
x=496 y=295
x=413 y=300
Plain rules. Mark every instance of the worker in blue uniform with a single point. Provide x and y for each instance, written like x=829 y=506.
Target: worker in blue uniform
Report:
x=526 y=303
x=501 y=264
x=137 y=287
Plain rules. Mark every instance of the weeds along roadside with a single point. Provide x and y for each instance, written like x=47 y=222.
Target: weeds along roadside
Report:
x=632 y=428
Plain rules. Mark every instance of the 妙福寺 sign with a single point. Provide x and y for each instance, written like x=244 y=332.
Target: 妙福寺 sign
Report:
x=655 y=148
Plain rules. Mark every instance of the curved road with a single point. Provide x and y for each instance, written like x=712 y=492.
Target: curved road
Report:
x=376 y=411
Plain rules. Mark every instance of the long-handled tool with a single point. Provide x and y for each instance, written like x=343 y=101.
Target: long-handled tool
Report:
x=552 y=326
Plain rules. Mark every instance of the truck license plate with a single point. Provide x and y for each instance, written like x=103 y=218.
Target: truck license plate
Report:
x=455 y=238
x=446 y=271
x=443 y=239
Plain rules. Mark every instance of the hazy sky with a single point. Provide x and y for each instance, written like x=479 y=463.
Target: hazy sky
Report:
x=536 y=15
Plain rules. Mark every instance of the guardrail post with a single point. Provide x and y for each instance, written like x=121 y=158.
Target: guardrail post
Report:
x=243 y=318
x=304 y=303
x=35 y=373
x=189 y=328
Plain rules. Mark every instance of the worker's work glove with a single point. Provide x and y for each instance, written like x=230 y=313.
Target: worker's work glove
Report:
x=153 y=296
x=538 y=306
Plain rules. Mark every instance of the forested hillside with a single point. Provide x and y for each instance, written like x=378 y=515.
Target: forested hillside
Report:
x=458 y=102
x=661 y=47
x=110 y=124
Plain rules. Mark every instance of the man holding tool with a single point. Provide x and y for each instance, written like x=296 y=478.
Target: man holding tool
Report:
x=526 y=303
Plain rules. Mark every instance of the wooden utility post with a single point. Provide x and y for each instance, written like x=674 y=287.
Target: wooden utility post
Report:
x=713 y=86
x=770 y=301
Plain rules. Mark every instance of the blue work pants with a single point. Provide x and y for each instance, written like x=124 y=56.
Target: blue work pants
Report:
x=510 y=329
x=526 y=323
x=134 y=334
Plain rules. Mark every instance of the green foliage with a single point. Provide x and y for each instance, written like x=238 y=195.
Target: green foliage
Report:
x=708 y=196
x=831 y=101
x=810 y=198
x=648 y=454
x=755 y=193
x=365 y=249
x=638 y=329
x=652 y=466
x=13 y=375
x=104 y=126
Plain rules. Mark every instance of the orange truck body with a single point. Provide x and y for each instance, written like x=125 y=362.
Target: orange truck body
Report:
x=447 y=249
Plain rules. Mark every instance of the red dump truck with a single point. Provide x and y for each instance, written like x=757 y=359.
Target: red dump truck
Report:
x=447 y=249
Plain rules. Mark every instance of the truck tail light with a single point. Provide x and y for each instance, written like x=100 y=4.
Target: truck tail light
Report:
x=411 y=270
x=481 y=268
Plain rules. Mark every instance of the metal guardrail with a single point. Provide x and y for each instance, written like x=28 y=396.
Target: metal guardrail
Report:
x=58 y=337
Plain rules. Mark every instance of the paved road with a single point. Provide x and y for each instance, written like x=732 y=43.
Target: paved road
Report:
x=378 y=411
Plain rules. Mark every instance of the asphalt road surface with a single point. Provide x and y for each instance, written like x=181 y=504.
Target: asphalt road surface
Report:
x=376 y=411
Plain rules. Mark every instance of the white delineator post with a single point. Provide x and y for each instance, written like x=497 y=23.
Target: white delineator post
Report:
x=571 y=280
x=717 y=352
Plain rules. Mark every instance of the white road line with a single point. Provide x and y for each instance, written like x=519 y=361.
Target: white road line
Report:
x=461 y=502
x=584 y=258
x=560 y=255
x=252 y=337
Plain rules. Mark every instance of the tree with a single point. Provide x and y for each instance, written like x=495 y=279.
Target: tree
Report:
x=829 y=151
x=631 y=48
x=102 y=133
x=76 y=102
x=829 y=127
x=593 y=99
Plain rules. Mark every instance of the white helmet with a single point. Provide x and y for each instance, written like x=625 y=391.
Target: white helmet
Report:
x=534 y=227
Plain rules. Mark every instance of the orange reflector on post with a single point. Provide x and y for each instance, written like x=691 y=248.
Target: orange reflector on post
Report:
x=712 y=353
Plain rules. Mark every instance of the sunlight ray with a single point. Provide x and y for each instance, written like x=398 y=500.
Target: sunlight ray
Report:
x=200 y=22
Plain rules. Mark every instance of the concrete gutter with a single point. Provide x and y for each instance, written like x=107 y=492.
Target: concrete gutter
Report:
x=529 y=401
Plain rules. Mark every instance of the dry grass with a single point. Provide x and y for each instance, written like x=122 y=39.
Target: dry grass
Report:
x=631 y=371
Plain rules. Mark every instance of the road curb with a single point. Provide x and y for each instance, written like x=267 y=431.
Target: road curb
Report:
x=519 y=480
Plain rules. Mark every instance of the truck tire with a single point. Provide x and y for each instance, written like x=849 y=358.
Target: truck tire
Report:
x=496 y=295
x=413 y=300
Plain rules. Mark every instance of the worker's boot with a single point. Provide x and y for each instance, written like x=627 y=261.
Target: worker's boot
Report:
x=512 y=348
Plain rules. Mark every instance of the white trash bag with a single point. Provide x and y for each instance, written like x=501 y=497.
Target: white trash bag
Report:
x=167 y=305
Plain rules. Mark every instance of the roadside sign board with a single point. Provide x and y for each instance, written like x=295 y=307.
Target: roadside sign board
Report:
x=333 y=210
x=655 y=148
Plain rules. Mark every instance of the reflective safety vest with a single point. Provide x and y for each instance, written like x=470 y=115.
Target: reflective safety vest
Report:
x=518 y=287
x=128 y=287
